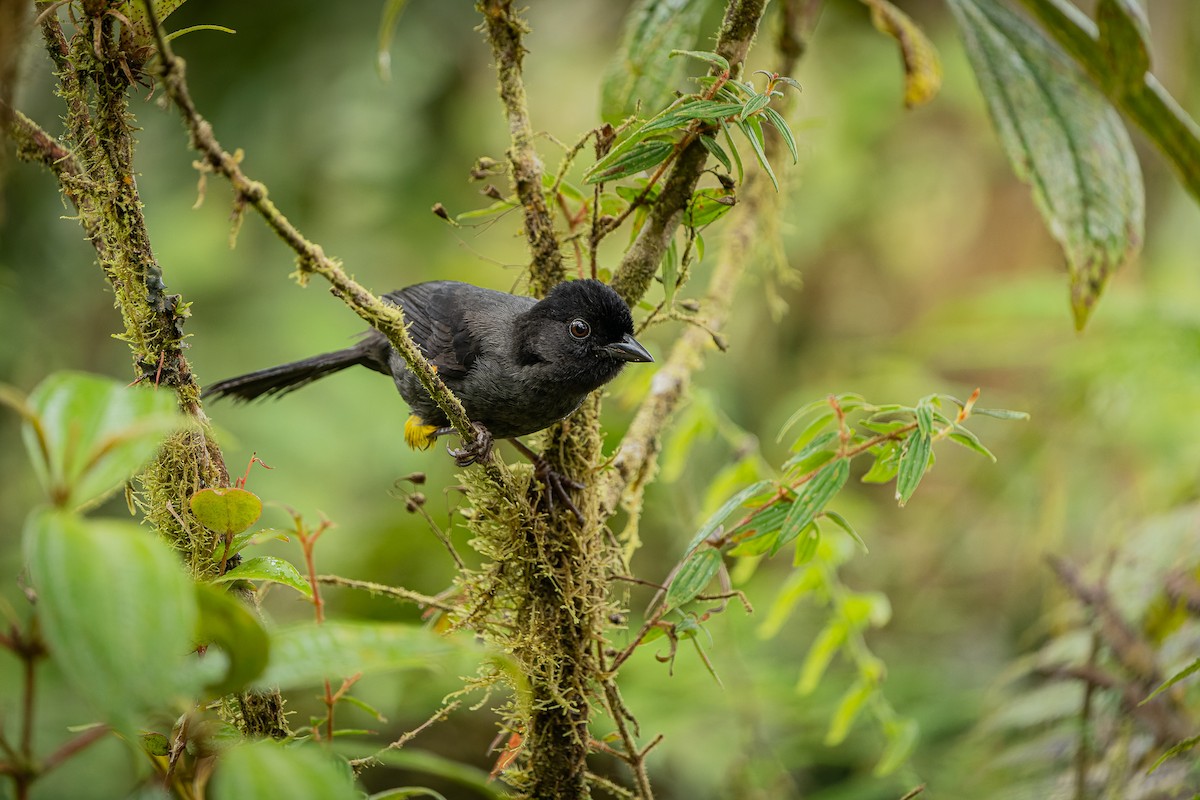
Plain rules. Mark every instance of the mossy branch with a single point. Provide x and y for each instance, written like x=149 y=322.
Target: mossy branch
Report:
x=636 y=459
x=504 y=31
x=640 y=263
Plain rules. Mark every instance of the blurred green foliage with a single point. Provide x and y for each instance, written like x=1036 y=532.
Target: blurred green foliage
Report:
x=922 y=264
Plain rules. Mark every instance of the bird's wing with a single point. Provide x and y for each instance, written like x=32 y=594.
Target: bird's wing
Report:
x=438 y=326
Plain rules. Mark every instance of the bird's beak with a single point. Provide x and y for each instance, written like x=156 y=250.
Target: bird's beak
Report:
x=628 y=349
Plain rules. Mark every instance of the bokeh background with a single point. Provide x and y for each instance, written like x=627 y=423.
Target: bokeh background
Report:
x=914 y=263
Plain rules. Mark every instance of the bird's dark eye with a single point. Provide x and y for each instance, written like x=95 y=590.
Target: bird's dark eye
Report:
x=579 y=329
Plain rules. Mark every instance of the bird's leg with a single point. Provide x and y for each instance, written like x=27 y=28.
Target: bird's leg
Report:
x=555 y=483
x=477 y=450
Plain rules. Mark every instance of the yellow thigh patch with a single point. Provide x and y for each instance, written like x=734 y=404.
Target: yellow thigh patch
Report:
x=417 y=434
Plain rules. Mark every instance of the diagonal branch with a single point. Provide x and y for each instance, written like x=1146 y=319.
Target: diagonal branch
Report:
x=311 y=258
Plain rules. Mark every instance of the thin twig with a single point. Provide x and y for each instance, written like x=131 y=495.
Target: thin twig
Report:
x=396 y=592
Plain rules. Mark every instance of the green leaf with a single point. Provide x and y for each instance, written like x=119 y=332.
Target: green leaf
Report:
x=812 y=498
x=1186 y=672
x=772 y=116
x=716 y=151
x=737 y=157
x=711 y=524
x=807 y=544
x=752 y=129
x=712 y=59
x=1124 y=38
x=231 y=626
x=707 y=206
x=641 y=156
x=970 y=441
x=1000 y=413
x=901 y=741
x=841 y=522
x=693 y=575
x=682 y=115
x=305 y=655
x=268 y=769
x=925 y=417
x=823 y=649
x=1182 y=747
x=392 y=9
x=226 y=511
x=914 y=460
x=642 y=71
x=117 y=611
x=268 y=568
x=922 y=67
x=887 y=464
x=851 y=703
x=405 y=792
x=93 y=433
x=412 y=760
x=800 y=584
x=1064 y=139
x=752 y=106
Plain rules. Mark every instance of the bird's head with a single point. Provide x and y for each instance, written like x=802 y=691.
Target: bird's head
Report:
x=582 y=332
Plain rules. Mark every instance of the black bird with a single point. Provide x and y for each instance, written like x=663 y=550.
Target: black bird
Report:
x=518 y=365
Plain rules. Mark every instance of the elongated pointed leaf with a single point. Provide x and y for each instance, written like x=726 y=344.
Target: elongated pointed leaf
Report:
x=851 y=703
x=1063 y=139
x=913 y=462
x=117 y=611
x=752 y=129
x=812 y=498
x=901 y=741
x=823 y=649
x=643 y=70
x=643 y=155
x=727 y=508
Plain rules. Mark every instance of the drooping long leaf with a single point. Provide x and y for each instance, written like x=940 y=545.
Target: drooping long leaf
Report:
x=1063 y=139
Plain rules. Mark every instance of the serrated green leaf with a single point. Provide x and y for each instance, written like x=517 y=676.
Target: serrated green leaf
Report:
x=901 y=741
x=693 y=575
x=268 y=568
x=772 y=116
x=267 y=769
x=922 y=67
x=226 y=511
x=642 y=71
x=812 y=497
x=752 y=129
x=847 y=711
x=1124 y=42
x=682 y=115
x=96 y=433
x=229 y=625
x=1064 y=139
x=117 y=612
x=820 y=653
x=914 y=460
x=641 y=156
x=712 y=59
x=727 y=508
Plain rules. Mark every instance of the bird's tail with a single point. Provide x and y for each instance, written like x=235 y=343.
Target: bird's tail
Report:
x=287 y=377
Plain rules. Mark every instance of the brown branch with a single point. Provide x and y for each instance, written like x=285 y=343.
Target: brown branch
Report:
x=640 y=264
x=633 y=756
x=396 y=592
x=504 y=31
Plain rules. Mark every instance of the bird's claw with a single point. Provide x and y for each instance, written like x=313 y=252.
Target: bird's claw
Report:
x=478 y=449
x=555 y=484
